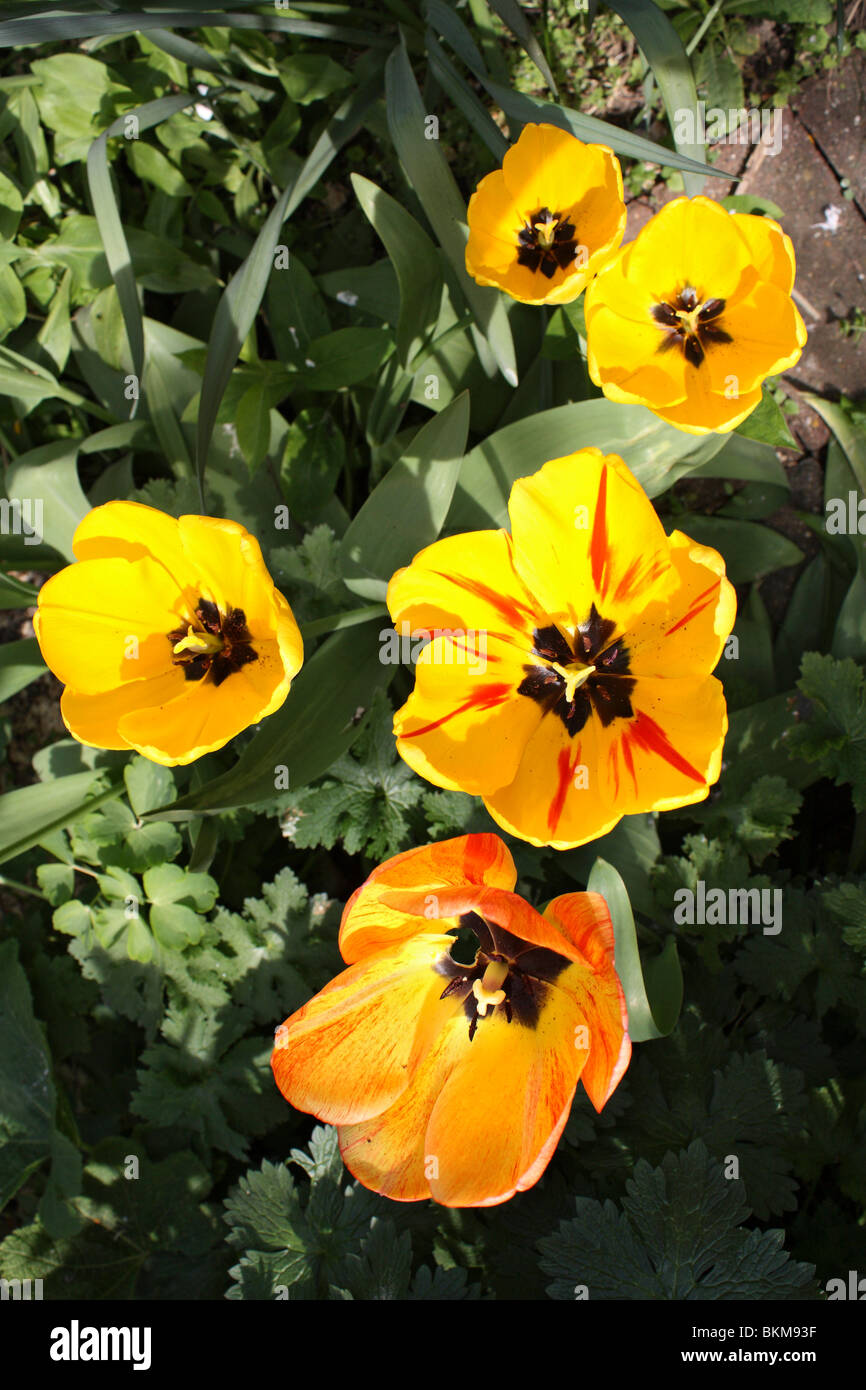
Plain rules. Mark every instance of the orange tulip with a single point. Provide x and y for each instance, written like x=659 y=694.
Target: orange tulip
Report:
x=449 y=1080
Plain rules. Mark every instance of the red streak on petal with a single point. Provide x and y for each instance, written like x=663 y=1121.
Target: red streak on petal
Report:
x=628 y=760
x=648 y=735
x=698 y=605
x=485 y=697
x=515 y=613
x=566 y=770
x=632 y=580
x=598 y=547
x=613 y=760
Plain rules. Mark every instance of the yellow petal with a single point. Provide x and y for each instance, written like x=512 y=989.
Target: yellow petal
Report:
x=104 y=622
x=585 y=532
x=685 y=636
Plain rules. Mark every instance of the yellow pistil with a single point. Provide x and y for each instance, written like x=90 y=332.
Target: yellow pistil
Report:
x=574 y=676
x=199 y=643
x=545 y=231
x=488 y=991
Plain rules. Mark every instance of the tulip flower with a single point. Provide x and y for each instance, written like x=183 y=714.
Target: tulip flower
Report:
x=596 y=698
x=694 y=314
x=168 y=634
x=454 y=1080
x=542 y=225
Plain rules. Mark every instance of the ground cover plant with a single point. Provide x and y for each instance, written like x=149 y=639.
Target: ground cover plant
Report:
x=433 y=809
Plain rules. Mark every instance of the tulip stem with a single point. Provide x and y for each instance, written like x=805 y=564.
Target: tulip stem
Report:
x=336 y=621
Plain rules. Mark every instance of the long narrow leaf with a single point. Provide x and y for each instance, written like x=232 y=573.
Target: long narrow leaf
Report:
x=589 y=128
x=663 y=50
x=107 y=215
x=54 y=27
x=428 y=172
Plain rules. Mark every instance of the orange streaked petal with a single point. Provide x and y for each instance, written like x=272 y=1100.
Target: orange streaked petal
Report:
x=479 y=1120
x=346 y=1055
x=586 y=517
x=368 y=923
x=687 y=635
x=585 y=919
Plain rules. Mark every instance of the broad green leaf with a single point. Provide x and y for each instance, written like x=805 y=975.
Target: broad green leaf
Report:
x=852 y=439
x=344 y=358
x=416 y=263
x=656 y=453
x=253 y=422
x=13 y=304
x=309 y=77
x=455 y=86
x=427 y=170
x=318 y=722
x=653 y=994
x=20 y=663
x=152 y=166
x=314 y=453
x=28 y=814
x=46 y=480
x=746 y=460
x=408 y=508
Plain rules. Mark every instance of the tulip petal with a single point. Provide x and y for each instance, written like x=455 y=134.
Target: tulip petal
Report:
x=585 y=919
x=348 y=1054
x=586 y=517
x=95 y=719
x=203 y=717
x=466 y=581
x=686 y=636
x=369 y=923
x=104 y=622
x=479 y=1120
x=464 y=730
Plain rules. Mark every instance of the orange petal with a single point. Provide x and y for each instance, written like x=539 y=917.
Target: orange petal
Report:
x=585 y=919
x=369 y=923
x=347 y=1054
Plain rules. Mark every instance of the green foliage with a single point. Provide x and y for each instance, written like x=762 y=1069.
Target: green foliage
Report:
x=367 y=799
x=676 y=1235
x=232 y=281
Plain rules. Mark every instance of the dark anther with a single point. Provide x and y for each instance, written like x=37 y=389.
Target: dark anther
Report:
x=559 y=251
x=693 y=335
x=236 y=651
x=605 y=692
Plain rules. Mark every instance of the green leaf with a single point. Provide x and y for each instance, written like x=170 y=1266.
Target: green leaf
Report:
x=46 y=480
x=427 y=171
x=20 y=663
x=408 y=508
x=27 y=1096
x=14 y=593
x=315 y=726
x=852 y=439
x=13 y=304
x=415 y=261
x=767 y=424
x=152 y=166
x=512 y=15
x=314 y=454
x=677 y=1236
x=526 y=109
x=366 y=799
x=656 y=453
x=662 y=977
x=253 y=422
x=309 y=77
x=344 y=358
x=832 y=732
x=28 y=814
x=663 y=50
